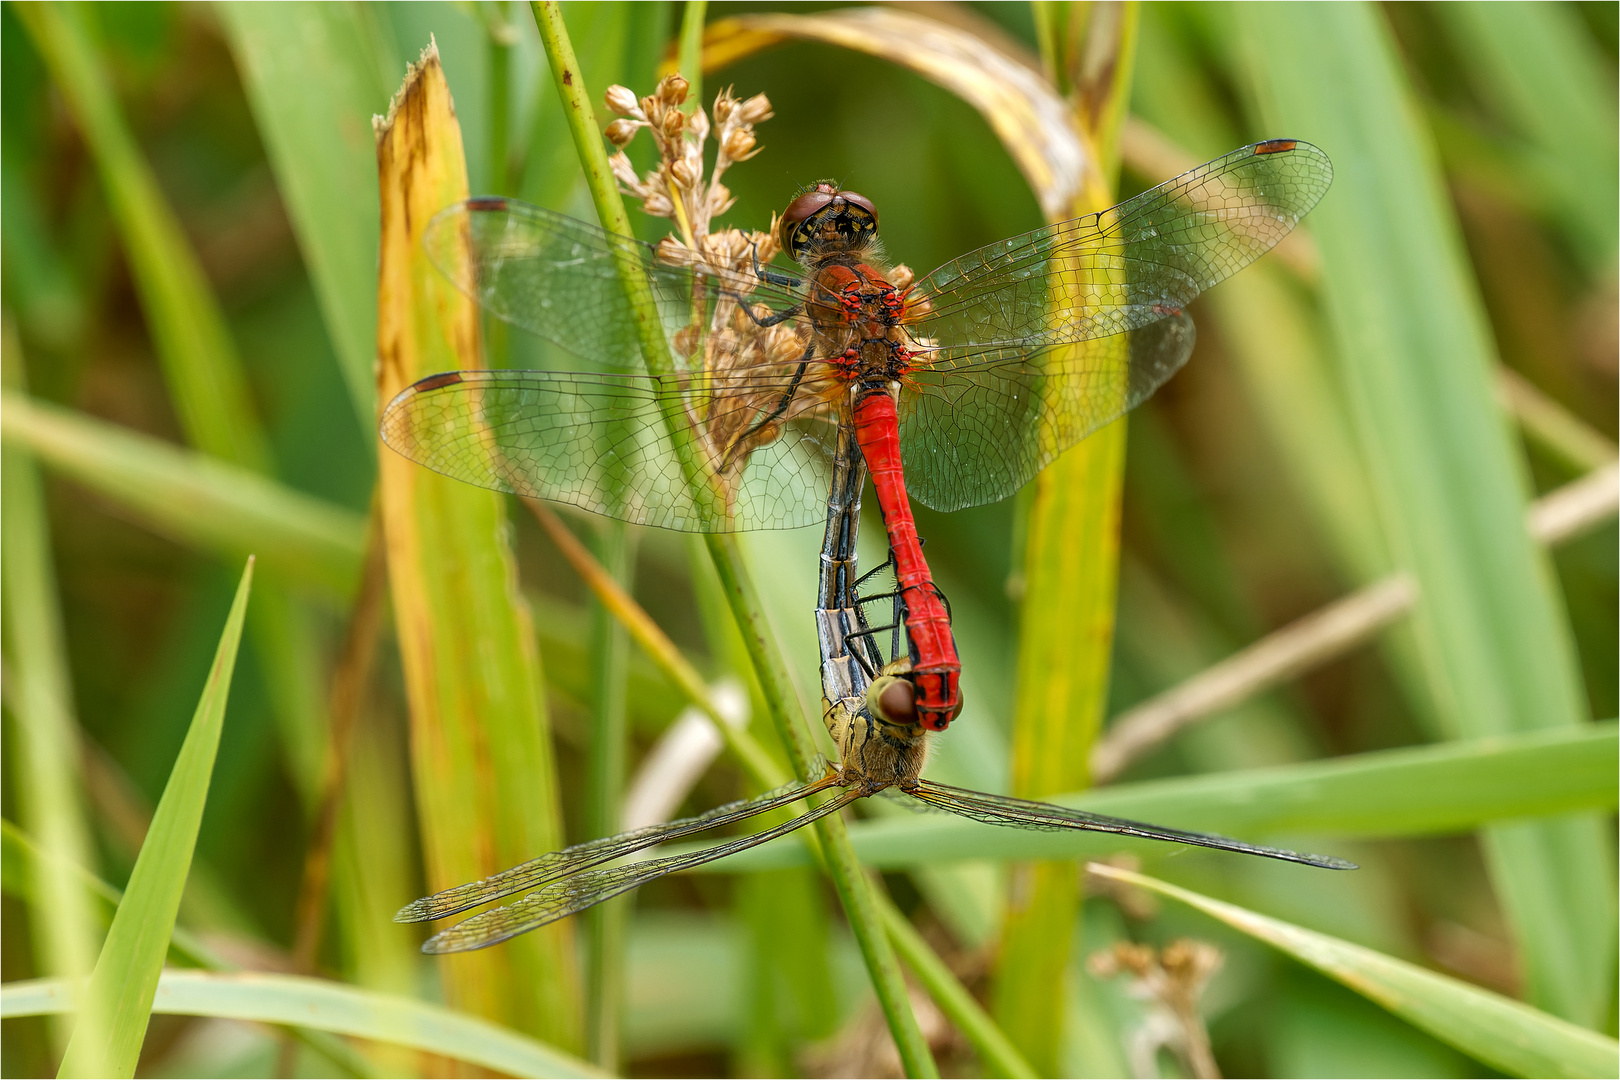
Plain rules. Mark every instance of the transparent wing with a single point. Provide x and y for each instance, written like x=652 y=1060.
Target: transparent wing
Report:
x=560 y=864
x=1026 y=814
x=570 y=895
x=558 y=277
x=603 y=443
x=1109 y=273
x=975 y=433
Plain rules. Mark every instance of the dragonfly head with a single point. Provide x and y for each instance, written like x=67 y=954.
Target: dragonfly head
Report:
x=826 y=220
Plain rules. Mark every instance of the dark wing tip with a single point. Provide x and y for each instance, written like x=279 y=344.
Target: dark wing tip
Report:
x=435 y=382
x=486 y=203
x=1275 y=146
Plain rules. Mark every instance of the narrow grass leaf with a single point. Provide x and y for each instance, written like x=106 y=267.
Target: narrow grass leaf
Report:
x=1544 y=73
x=486 y=787
x=265 y=998
x=314 y=77
x=1449 y=485
x=1423 y=791
x=200 y=362
x=1499 y=1031
x=45 y=783
x=192 y=497
x=118 y=1000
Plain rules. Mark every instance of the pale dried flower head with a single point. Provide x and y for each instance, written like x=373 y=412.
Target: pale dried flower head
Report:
x=737 y=367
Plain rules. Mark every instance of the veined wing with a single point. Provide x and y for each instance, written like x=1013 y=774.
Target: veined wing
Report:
x=570 y=895
x=603 y=443
x=558 y=277
x=560 y=864
x=1111 y=272
x=974 y=433
x=1027 y=814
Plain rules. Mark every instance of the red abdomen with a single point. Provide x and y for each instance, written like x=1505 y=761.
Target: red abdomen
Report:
x=936 y=668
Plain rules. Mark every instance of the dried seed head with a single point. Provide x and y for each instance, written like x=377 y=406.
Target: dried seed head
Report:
x=682 y=173
x=621 y=131
x=622 y=100
x=723 y=104
x=673 y=123
x=902 y=276
x=657 y=204
x=756 y=109
x=739 y=144
x=672 y=89
x=698 y=125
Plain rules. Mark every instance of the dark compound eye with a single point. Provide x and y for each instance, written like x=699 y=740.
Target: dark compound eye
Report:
x=894 y=699
x=798 y=212
x=863 y=202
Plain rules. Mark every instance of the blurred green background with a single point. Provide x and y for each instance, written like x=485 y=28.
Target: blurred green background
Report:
x=1243 y=507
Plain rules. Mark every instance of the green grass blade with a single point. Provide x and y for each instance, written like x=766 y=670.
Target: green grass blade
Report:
x=1421 y=791
x=1070 y=589
x=327 y=1006
x=45 y=780
x=201 y=366
x=1498 y=1031
x=481 y=755
x=118 y=1000
x=193 y=497
x=188 y=328
x=313 y=75
x=1544 y=73
x=22 y=862
x=1449 y=485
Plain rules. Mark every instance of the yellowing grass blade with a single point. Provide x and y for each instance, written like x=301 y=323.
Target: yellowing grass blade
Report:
x=118 y=1001
x=480 y=747
x=992 y=74
x=1499 y=1031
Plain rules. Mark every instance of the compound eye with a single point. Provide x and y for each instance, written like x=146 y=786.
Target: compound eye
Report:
x=861 y=201
x=893 y=699
x=798 y=212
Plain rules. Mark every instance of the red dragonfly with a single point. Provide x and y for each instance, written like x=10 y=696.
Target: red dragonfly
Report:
x=960 y=385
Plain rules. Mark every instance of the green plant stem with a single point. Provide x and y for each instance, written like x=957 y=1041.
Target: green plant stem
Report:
x=848 y=879
x=853 y=888
x=995 y=1050
x=689 y=58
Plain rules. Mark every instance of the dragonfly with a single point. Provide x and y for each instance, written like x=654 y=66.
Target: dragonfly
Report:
x=882 y=747
x=960 y=385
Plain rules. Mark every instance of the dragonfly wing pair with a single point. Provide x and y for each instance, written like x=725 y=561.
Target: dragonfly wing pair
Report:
x=1022 y=348
x=1031 y=344
x=567 y=882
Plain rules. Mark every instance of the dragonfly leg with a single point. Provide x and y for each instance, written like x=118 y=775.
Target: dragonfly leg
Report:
x=745 y=440
x=774 y=277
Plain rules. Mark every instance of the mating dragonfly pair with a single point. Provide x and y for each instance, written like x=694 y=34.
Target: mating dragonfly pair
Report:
x=954 y=388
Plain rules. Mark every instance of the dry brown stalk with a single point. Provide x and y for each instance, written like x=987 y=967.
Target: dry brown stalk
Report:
x=1322 y=635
